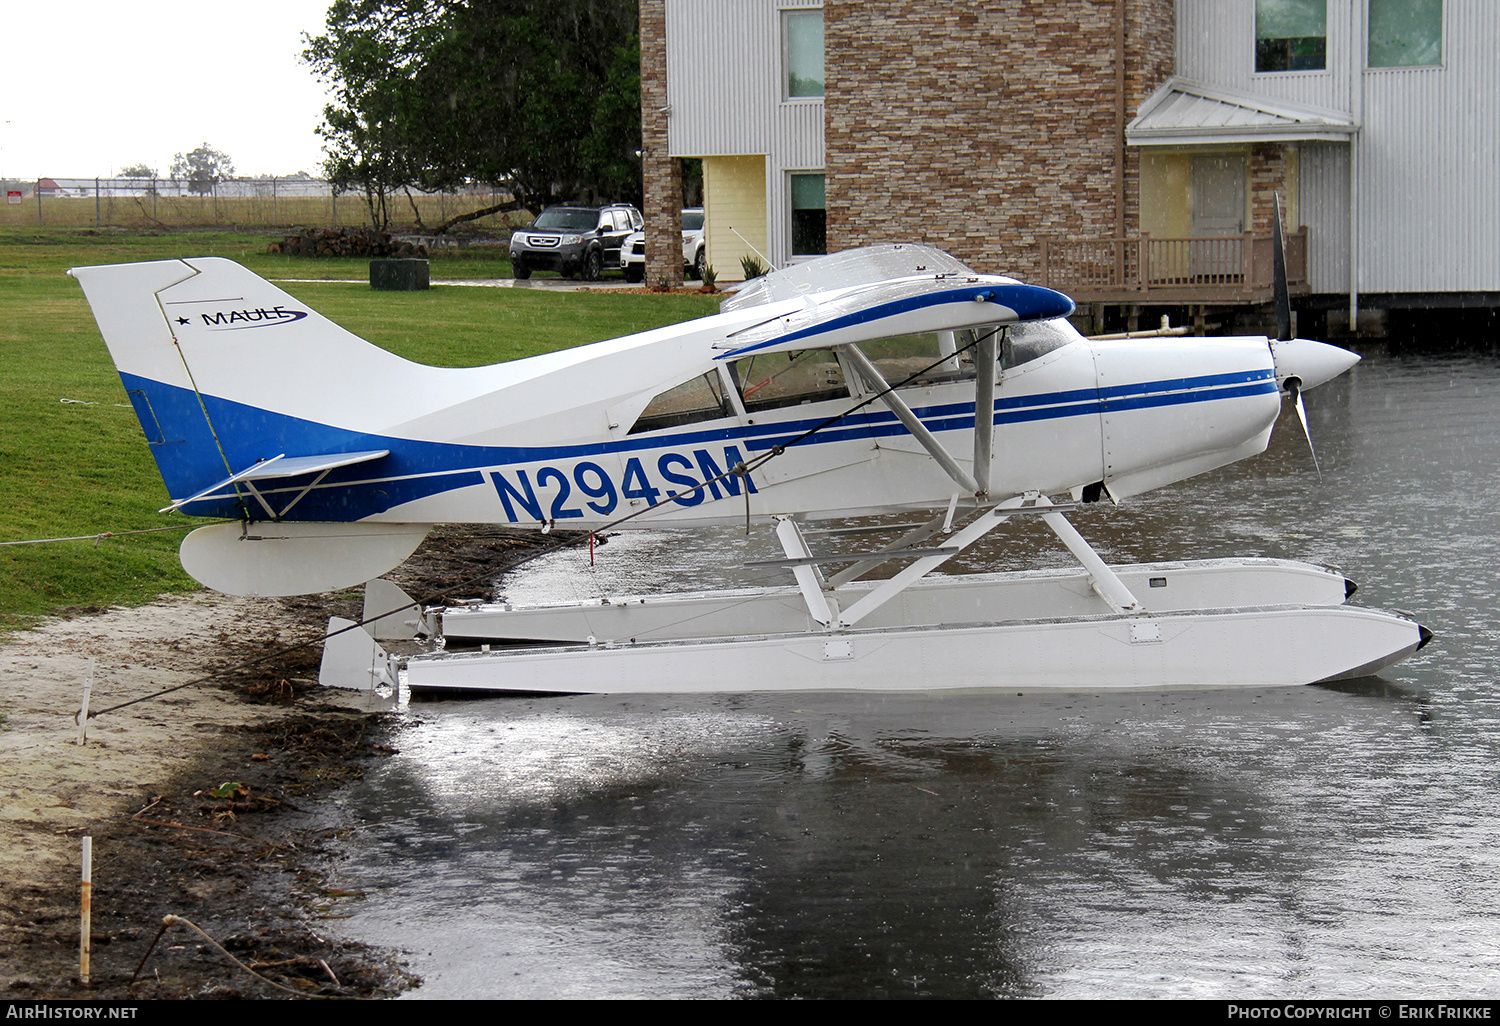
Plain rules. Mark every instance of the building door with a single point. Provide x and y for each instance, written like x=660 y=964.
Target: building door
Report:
x=1217 y=208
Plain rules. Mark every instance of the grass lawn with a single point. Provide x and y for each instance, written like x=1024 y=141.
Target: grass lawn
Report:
x=73 y=460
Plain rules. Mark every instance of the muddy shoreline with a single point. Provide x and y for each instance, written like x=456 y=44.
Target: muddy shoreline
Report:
x=208 y=803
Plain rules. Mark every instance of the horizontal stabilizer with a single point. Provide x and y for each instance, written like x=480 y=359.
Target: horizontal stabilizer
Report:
x=271 y=559
x=280 y=468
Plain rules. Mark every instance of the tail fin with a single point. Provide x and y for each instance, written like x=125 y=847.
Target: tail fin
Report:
x=225 y=369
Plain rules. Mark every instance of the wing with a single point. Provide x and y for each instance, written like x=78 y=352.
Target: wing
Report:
x=893 y=308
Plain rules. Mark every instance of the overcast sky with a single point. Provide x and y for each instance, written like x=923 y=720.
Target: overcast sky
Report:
x=91 y=86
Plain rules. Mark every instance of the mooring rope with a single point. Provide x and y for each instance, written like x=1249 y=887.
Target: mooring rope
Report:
x=97 y=538
x=176 y=920
x=428 y=598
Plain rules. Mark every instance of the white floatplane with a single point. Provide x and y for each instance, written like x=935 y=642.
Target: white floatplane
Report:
x=882 y=380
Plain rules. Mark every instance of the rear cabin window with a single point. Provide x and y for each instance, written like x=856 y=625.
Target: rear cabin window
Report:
x=702 y=398
x=771 y=380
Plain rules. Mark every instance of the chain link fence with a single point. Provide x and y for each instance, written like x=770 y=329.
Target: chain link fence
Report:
x=253 y=202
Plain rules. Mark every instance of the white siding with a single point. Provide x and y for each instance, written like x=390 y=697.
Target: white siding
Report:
x=1216 y=44
x=1324 y=207
x=724 y=85
x=1428 y=195
x=723 y=62
x=1430 y=164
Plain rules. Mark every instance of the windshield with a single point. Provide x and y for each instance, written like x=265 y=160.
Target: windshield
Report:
x=1031 y=339
x=692 y=220
x=568 y=218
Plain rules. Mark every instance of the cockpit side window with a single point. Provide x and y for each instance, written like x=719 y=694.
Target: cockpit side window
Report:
x=701 y=398
x=768 y=381
x=934 y=357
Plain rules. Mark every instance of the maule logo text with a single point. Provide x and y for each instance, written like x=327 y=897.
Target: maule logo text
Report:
x=258 y=317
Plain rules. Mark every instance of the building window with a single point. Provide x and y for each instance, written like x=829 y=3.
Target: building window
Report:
x=803 y=42
x=809 y=216
x=1406 y=33
x=1291 y=35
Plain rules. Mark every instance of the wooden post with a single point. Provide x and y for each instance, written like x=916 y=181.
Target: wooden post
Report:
x=83 y=709
x=86 y=911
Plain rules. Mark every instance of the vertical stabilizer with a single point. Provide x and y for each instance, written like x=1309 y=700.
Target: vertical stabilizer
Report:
x=226 y=370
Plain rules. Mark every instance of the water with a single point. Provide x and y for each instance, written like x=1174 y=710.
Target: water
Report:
x=1303 y=842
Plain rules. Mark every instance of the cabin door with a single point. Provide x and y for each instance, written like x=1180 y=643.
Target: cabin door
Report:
x=1217 y=205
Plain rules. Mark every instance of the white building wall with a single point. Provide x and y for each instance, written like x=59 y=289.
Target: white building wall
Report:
x=1428 y=146
x=1429 y=154
x=1324 y=207
x=723 y=57
x=1216 y=44
x=724 y=85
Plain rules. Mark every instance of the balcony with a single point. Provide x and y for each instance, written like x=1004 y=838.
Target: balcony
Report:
x=1218 y=270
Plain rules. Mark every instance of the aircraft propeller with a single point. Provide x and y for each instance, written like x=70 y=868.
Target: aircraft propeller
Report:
x=1294 y=388
x=1281 y=296
x=1300 y=363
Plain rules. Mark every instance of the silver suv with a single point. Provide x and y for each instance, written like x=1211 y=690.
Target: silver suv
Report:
x=694 y=248
x=578 y=242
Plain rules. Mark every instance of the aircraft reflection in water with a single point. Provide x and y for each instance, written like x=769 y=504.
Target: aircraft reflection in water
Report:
x=878 y=380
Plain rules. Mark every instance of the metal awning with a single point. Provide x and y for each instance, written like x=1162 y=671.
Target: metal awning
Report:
x=1183 y=113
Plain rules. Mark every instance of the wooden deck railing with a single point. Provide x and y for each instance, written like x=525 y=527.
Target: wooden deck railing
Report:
x=1210 y=269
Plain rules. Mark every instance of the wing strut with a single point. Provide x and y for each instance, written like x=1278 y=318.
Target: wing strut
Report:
x=893 y=402
x=986 y=363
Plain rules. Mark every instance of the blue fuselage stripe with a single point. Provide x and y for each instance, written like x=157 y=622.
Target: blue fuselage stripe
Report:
x=189 y=459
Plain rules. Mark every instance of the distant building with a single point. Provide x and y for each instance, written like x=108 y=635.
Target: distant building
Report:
x=1379 y=120
x=1126 y=151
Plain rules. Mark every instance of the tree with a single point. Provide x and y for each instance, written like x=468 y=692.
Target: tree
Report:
x=202 y=168
x=541 y=98
x=138 y=171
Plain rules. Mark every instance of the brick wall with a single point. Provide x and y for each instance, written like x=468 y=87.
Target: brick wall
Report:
x=662 y=205
x=1272 y=171
x=982 y=127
